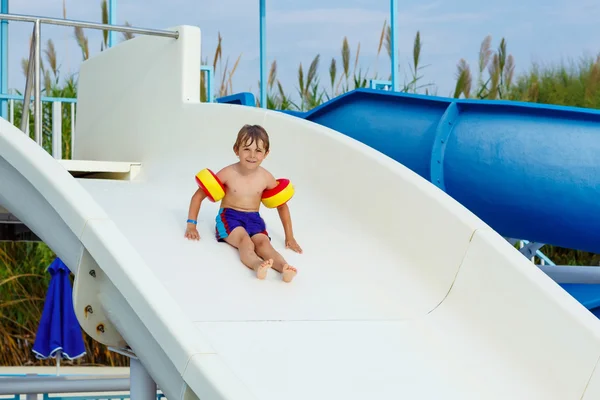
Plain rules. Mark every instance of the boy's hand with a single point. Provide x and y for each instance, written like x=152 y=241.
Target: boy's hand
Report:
x=191 y=232
x=290 y=243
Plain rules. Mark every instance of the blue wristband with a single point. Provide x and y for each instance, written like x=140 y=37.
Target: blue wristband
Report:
x=192 y=221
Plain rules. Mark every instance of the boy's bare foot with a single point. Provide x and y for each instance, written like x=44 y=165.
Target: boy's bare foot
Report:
x=263 y=268
x=288 y=273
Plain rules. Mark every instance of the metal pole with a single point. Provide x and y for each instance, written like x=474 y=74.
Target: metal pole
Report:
x=209 y=84
x=263 y=60
x=57 y=137
x=112 y=20
x=393 y=17
x=37 y=105
x=72 y=131
x=61 y=384
x=4 y=58
x=28 y=86
x=143 y=386
x=90 y=25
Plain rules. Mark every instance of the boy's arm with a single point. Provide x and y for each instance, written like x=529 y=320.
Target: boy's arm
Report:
x=191 y=232
x=286 y=219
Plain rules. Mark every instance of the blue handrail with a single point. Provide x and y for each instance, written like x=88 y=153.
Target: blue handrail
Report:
x=50 y=99
x=209 y=81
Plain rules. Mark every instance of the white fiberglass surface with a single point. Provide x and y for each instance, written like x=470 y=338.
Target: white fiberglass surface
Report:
x=382 y=249
x=345 y=326
x=419 y=359
x=343 y=273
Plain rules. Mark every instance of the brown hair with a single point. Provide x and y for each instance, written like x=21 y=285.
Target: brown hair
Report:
x=249 y=134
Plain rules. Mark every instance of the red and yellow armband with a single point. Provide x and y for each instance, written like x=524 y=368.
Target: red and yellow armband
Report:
x=279 y=195
x=210 y=184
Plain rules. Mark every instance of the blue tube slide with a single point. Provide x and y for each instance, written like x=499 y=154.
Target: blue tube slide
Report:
x=530 y=171
x=586 y=294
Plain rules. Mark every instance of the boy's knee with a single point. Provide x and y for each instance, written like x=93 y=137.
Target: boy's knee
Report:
x=261 y=242
x=247 y=243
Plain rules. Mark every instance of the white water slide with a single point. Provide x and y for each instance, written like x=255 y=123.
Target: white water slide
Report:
x=401 y=292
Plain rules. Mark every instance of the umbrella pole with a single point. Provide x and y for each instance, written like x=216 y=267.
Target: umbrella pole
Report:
x=58 y=357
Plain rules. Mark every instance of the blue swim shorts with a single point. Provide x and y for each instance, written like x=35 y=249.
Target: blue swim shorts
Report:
x=228 y=219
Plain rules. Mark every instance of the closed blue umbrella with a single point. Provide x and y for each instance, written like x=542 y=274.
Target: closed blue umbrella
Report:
x=59 y=334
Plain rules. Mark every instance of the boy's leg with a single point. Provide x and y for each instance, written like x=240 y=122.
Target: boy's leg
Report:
x=264 y=249
x=239 y=239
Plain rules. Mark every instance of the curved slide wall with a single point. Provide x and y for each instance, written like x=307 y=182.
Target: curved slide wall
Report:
x=530 y=171
x=404 y=294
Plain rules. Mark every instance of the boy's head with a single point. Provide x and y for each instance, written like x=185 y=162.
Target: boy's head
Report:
x=250 y=134
x=252 y=144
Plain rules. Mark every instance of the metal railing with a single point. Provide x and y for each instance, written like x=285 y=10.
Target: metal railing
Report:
x=56 y=113
x=69 y=387
x=209 y=82
x=381 y=85
x=56 y=119
x=33 y=70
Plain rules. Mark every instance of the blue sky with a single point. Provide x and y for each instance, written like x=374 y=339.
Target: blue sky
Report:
x=536 y=31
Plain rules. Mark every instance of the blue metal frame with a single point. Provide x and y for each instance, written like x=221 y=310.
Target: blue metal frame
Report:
x=380 y=84
x=17 y=97
x=394 y=44
x=243 y=99
x=541 y=255
x=209 y=82
x=4 y=59
x=112 y=20
x=263 y=60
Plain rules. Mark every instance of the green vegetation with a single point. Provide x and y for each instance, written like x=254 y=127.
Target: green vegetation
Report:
x=23 y=280
x=23 y=284
x=572 y=84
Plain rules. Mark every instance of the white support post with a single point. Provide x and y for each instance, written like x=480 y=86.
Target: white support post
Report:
x=143 y=386
x=57 y=130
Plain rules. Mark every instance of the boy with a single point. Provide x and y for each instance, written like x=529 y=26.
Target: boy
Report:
x=238 y=222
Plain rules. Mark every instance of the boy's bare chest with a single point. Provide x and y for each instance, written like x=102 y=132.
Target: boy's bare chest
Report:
x=245 y=186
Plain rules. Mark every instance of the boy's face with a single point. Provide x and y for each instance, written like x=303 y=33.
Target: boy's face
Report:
x=252 y=155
